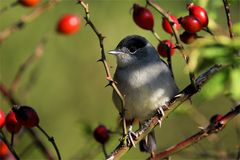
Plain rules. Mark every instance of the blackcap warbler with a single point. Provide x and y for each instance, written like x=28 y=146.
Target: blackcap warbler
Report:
x=143 y=78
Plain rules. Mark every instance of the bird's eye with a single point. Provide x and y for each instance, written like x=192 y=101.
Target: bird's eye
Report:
x=132 y=49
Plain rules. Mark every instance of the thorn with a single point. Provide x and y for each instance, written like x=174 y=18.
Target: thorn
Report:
x=100 y=60
x=109 y=84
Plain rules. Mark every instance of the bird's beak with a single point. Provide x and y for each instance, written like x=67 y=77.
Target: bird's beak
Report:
x=115 y=52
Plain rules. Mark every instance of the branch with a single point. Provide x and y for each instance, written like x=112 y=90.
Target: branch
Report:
x=184 y=95
x=210 y=129
x=229 y=19
x=26 y=19
x=36 y=55
x=8 y=96
x=103 y=55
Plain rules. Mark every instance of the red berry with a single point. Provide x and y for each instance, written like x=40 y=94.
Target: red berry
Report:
x=26 y=116
x=191 y=24
x=187 y=37
x=143 y=17
x=198 y=12
x=166 y=46
x=68 y=24
x=166 y=25
x=215 y=118
x=101 y=134
x=3 y=150
x=2 y=119
x=29 y=3
x=12 y=125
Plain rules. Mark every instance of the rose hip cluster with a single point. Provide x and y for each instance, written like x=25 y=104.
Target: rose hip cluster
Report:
x=17 y=117
x=192 y=23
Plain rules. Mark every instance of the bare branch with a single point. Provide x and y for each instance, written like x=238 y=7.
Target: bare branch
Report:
x=26 y=19
x=36 y=55
x=210 y=129
x=229 y=19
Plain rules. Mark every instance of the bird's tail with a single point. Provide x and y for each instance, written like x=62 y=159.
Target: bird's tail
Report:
x=148 y=144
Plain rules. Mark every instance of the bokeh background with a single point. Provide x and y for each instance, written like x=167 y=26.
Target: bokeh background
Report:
x=66 y=85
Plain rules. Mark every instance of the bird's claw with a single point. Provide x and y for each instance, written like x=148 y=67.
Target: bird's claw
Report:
x=129 y=138
x=160 y=112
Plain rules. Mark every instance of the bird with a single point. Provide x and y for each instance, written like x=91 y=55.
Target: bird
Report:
x=144 y=80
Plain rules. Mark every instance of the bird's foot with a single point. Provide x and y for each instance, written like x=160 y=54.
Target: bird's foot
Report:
x=128 y=139
x=161 y=113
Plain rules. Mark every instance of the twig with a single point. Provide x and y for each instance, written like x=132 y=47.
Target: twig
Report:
x=104 y=60
x=26 y=19
x=184 y=95
x=175 y=34
x=229 y=19
x=8 y=96
x=13 y=4
x=50 y=139
x=36 y=55
x=210 y=129
x=4 y=139
x=104 y=150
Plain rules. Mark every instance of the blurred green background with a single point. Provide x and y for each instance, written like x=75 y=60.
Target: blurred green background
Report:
x=66 y=85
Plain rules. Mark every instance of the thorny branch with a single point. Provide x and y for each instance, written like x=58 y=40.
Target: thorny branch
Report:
x=229 y=19
x=26 y=19
x=210 y=129
x=184 y=95
x=103 y=56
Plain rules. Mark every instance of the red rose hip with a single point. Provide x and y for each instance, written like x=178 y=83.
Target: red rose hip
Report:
x=187 y=37
x=166 y=46
x=29 y=3
x=198 y=12
x=2 y=119
x=68 y=24
x=12 y=125
x=166 y=25
x=101 y=134
x=215 y=118
x=3 y=150
x=143 y=17
x=191 y=24
x=26 y=116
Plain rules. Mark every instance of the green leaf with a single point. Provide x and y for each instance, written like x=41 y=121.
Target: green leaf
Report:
x=215 y=85
x=235 y=83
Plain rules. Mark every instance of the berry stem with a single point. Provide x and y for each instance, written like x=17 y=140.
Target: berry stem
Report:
x=51 y=139
x=4 y=139
x=12 y=139
x=104 y=150
x=229 y=19
x=169 y=60
x=156 y=36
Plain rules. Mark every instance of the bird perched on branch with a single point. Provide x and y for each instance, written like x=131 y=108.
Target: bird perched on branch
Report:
x=144 y=80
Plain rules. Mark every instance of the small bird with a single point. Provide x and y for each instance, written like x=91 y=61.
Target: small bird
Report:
x=143 y=79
